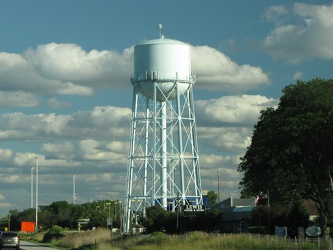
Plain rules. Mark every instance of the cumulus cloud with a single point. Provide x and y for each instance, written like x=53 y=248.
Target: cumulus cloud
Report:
x=96 y=123
x=94 y=150
x=298 y=75
x=2 y=197
x=54 y=103
x=67 y=69
x=242 y=110
x=6 y=154
x=217 y=72
x=18 y=74
x=275 y=14
x=70 y=63
x=224 y=166
x=303 y=39
x=226 y=124
x=60 y=150
x=93 y=143
x=18 y=99
x=225 y=139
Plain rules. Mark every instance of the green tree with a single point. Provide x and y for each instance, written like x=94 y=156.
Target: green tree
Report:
x=61 y=213
x=212 y=197
x=298 y=216
x=156 y=219
x=291 y=150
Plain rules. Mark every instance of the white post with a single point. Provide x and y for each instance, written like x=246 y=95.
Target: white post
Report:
x=32 y=187
x=36 y=194
x=74 y=191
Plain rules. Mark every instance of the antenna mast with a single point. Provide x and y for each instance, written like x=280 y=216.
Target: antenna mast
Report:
x=74 y=192
x=161 y=33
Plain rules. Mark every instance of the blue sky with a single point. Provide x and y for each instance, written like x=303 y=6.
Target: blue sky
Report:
x=65 y=93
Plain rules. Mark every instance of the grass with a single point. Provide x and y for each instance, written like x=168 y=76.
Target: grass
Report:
x=100 y=239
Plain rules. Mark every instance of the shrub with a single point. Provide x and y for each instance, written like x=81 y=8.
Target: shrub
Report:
x=54 y=233
x=55 y=229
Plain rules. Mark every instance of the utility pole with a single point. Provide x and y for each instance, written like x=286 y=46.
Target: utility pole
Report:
x=218 y=186
x=32 y=187
x=74 y=193
x=36 y=195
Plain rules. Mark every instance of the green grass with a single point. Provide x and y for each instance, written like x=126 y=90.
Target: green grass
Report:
x=199 y=241
x=100 y=239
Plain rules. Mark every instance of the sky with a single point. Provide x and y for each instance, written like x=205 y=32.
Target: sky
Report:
x=66 y=96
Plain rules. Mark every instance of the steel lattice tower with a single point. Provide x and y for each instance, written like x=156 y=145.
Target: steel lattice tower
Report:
x=163 y=157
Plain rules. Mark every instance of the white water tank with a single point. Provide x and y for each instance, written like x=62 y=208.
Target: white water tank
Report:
x=164 y=62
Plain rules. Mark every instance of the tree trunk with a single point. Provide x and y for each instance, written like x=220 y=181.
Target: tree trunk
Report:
x=322 y=217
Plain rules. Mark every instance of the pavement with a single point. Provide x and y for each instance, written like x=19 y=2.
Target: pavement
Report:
x=24 y=245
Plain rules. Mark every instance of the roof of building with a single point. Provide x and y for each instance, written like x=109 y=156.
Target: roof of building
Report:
x=232 y=202
x=311 y=206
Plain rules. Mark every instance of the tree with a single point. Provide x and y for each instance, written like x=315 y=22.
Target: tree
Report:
x=291 y=150
x=61 y=212
x=212 y=197
x=156 y=219
x=298 y=216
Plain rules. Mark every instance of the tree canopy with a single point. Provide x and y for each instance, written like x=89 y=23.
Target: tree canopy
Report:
x=291 y=149
x=66 y=215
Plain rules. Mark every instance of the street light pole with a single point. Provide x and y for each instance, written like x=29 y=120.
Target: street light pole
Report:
x=36 y=194
x=74 y=191
x=32 y=187
x=108 y=221
x=109 y=210
x=109 y=203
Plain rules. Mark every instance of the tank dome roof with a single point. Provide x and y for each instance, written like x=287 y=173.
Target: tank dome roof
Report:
x=162 y=41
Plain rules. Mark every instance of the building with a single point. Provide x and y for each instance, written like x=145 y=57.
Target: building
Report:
x=312 y=209
x=236 y=213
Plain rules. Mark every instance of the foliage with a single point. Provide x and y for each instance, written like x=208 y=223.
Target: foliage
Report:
x=55 y=229
x=290 y=153
x=212 y=197
x=53 y=233
x=160 y=220
x=298 y=216
x=156 y=219
x=66 y=215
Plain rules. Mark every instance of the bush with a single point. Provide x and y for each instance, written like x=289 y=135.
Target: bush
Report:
x=55 y=229
x=53 y=233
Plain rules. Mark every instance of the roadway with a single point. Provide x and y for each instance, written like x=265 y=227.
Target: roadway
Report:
x=24 y=245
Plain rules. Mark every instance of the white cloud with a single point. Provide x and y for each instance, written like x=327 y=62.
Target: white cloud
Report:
x=70 y=63
x=226 y=124
x=217 y=72
x=298 y=75
x=295 y=42
x=17 y=99
x=54 y=103
x=93 y=145
x=225 y=139
x=117 y=146
x=275 y=13
x=226 y=168
x=6 y=154
x=99 y=122
x=67 y=69
x=94 y=150
x=60 y=150
x=2 y=197
x=18 y=74
x=232 y=110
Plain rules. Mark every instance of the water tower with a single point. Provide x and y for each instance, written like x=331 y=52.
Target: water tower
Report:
x=163 y=165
